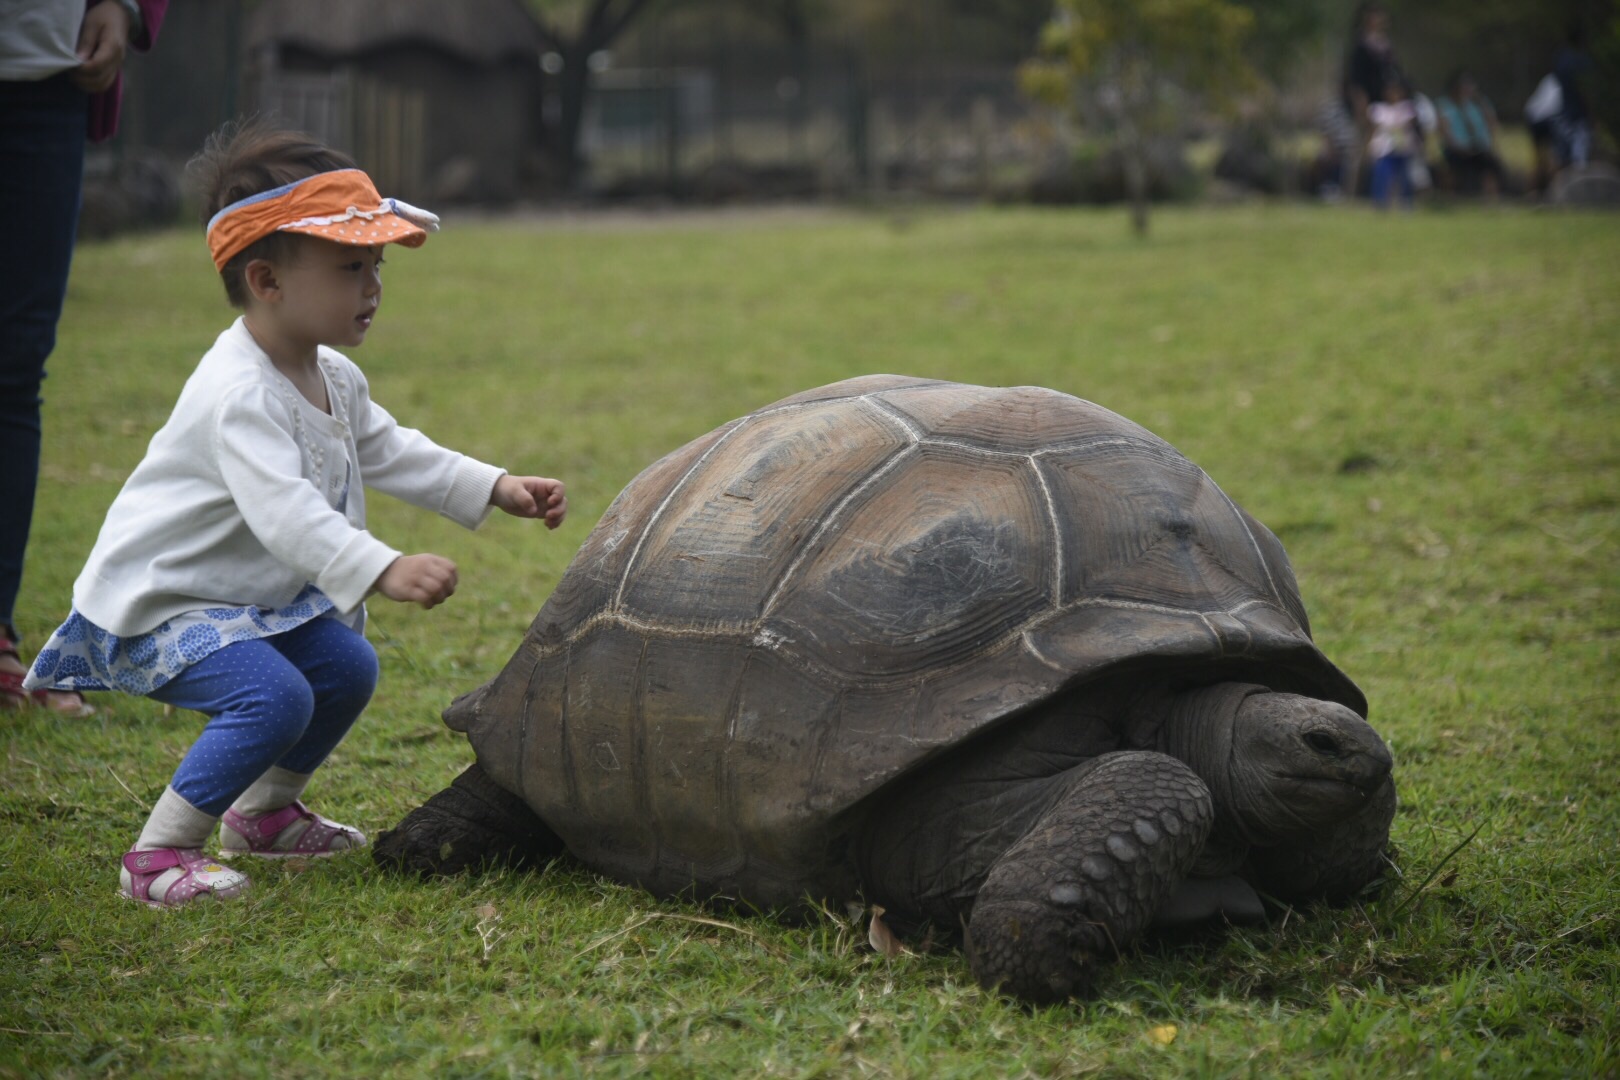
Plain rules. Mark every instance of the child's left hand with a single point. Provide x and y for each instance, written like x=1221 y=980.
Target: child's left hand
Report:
x=531 y=497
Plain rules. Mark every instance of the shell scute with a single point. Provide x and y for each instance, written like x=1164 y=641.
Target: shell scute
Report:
x=860 y=386
x=592 y=580
x=716 y=548
x=942 y=558
x=1013 y=420
x=600 y=755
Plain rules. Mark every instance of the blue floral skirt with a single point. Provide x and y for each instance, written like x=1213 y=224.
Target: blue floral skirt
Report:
x=82 y=656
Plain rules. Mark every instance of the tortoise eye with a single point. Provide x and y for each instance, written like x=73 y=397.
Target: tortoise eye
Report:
x=1322 y=742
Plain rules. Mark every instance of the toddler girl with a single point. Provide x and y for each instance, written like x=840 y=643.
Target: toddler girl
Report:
x=230 y=574
x=1394 y=142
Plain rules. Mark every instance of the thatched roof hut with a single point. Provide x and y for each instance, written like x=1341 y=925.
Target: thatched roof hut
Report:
x=437 y=100
x=485 y=33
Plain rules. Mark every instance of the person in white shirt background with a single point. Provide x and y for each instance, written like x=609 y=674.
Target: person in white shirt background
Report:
x=1395 y=139
x=230 y=573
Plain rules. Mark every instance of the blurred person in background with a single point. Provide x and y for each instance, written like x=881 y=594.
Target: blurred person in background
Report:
x=1369 y=68
x=1572 y=126
x=1539 y=114
x=1557 y=113
x=1468 y=137
x=1394 y=145
x=61 y=82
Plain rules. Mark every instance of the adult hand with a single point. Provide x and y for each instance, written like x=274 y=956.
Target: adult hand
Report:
x=103 y=39
x=428 y=580
x=531 y=497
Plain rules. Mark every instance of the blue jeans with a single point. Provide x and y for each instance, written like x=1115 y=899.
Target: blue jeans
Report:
x=42 y=131
x=285 y=700
x=1389 y=170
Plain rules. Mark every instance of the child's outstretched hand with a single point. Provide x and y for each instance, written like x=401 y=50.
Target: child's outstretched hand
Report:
x=418 y=579
x=531 y=497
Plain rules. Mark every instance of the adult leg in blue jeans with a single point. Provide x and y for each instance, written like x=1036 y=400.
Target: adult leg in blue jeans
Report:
x=42 y=133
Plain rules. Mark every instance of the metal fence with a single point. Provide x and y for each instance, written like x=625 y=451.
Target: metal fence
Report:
x=821 y=122
x=731 y=118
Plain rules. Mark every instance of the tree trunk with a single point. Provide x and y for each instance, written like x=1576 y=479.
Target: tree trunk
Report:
x=603 y=22
x=573 y=85
x=1136 y=84
x=1135 y=167
x=1133 y=162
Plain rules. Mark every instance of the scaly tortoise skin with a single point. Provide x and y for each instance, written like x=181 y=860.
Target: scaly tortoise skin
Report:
x=990 y=656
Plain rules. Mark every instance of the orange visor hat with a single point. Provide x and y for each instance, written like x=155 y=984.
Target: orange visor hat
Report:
x=342 y=206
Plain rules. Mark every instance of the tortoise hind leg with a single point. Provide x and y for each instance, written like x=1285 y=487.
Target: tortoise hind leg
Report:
x=1088 y=877
x=473 y=822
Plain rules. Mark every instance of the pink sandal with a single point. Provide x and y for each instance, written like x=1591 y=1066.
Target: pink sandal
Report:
x=69 y=703
x=202 y=876
x=243 y=835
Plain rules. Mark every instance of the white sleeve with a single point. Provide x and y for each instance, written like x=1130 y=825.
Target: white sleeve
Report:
x=406 y=464
x=260 y=464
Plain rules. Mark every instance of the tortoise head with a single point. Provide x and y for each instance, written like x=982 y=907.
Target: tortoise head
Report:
x=1299 y=764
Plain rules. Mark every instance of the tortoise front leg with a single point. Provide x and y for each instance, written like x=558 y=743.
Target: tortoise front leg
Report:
x=471 y=823
x=1088 y=877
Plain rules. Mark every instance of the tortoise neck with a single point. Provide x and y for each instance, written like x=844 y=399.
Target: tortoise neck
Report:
x=1197 y=726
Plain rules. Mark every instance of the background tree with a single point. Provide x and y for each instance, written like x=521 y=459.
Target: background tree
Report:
x=1118 y=60
x=1285 y=32
x=986 y=30
x=576 y=30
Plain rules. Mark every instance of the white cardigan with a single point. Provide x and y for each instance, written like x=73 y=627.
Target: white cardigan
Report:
x=233 y=502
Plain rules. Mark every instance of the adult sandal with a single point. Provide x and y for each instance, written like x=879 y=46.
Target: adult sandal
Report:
x=14 y=696
x=201 y=876
x=267 y=835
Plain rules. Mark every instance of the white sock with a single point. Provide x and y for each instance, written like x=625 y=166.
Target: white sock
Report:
x=277 y=788
x=174 y=823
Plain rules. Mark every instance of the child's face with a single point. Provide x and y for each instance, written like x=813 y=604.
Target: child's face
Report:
x=328 y=293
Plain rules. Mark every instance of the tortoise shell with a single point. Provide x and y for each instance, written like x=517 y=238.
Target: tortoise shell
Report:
x=786 y=615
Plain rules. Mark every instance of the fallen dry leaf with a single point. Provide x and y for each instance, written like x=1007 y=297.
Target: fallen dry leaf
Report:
x=880 y=936
x=1164 y=1034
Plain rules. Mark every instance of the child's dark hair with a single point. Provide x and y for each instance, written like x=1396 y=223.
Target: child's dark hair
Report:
x=244 y=159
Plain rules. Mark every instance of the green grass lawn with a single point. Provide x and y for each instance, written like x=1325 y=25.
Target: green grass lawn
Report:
x=1424 y=407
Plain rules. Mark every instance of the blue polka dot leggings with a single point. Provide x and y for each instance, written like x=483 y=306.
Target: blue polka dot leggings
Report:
x=284 y=700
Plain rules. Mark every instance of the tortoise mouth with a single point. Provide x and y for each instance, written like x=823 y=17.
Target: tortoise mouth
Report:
x=1332 y=786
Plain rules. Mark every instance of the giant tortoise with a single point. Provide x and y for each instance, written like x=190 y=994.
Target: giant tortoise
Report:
x=992 y=658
